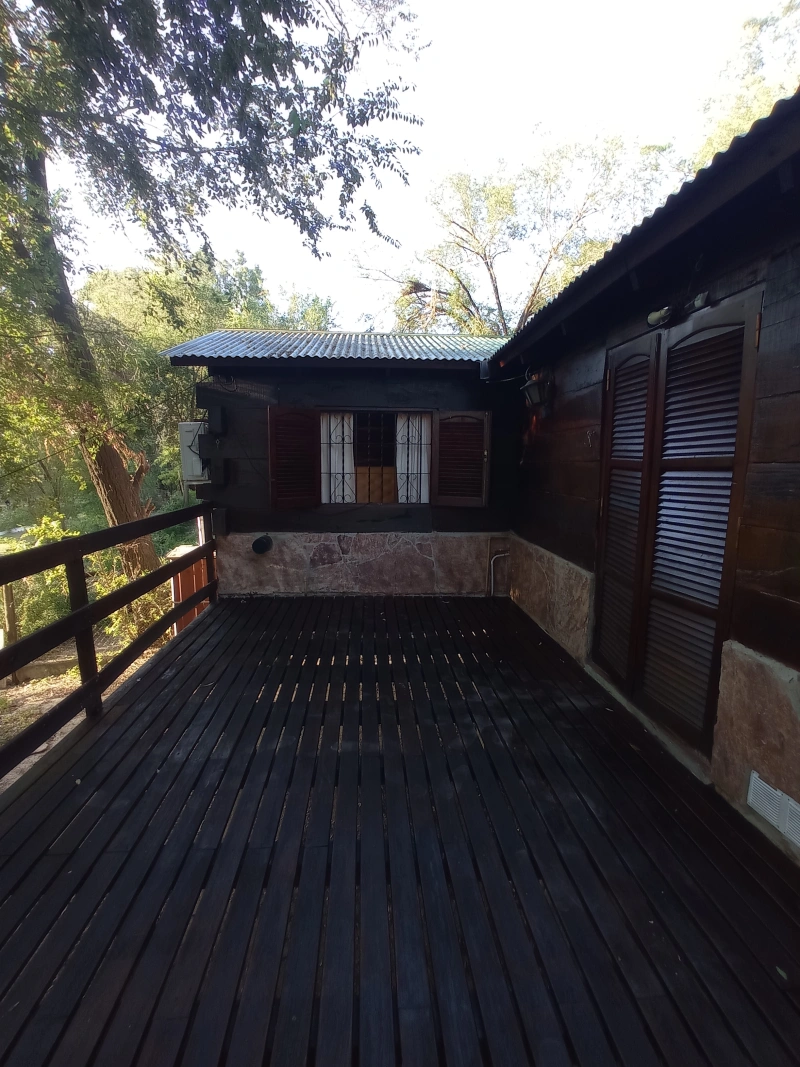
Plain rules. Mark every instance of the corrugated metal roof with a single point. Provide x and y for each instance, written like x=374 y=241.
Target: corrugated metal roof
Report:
x=682 y=198
x=305 y=344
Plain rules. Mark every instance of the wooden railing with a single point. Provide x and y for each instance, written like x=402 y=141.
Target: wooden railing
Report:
x=79 y=624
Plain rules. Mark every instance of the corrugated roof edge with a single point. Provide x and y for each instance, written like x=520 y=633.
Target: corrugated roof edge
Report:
x=332 y=345
x=783 y=110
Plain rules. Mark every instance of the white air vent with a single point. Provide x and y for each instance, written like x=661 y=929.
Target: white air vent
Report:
x=776 y=807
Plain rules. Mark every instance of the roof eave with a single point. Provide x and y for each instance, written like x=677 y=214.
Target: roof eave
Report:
x=229 y=363
x=730 y=176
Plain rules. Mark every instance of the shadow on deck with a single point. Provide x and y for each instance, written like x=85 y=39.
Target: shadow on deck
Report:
x=366 y=832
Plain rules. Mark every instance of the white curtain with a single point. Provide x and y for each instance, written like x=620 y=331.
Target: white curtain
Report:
x=338 y=466
x=413 y=459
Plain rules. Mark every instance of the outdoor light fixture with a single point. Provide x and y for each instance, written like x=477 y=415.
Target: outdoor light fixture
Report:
x=262 y=544
x=660 y=317
x=538 y=391
x=676 y=311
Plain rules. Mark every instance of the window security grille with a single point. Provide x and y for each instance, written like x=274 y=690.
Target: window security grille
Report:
x=378 y=457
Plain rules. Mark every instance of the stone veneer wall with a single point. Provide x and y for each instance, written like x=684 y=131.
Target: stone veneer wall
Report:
x=758 y=724
x=375 y=563
x=555 y=593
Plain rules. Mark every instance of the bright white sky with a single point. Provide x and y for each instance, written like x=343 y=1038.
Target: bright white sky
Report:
x=492 y=81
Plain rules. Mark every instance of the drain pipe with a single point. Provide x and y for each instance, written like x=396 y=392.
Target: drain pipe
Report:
x=497 y=555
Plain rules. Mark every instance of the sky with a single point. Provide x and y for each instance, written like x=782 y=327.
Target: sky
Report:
x=496 y=81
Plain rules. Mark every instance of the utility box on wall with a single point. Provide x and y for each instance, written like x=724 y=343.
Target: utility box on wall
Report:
x=192 y=468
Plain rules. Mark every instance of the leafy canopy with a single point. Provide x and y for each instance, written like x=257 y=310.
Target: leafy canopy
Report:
x=548 y=223
x=166 y=107
x=766 y=67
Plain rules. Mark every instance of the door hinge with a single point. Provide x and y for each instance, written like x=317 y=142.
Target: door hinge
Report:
x=608 y=377
x=758 y=330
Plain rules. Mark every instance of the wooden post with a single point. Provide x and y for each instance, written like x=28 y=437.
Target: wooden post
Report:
x=205 y=532
x=84 y=639
x=10 y=612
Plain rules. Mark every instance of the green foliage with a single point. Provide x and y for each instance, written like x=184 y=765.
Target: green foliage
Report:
x=164 y=110
x=41 y=598
x=558 y=216
x=129 y=316
x=766 y=68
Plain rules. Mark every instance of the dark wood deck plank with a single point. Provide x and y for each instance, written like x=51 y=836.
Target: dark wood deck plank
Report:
x=170 y=931
x=262 y=968
x=18 y=799
x=147 y=870
x=696 y=927
x=42 y=824
x=292 y=1038
x=416 y=1019
x=554 y=798
x=334 y=1043
x=374 y=831
x=60 y=915
x=731 y=840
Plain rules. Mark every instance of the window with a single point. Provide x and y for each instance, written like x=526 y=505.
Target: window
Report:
x=375 y=457
x=378 y=457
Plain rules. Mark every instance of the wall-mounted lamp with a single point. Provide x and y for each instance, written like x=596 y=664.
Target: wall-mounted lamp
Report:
x=538 y=391
x=676 y=312
x=660 y=317
x=262 y=544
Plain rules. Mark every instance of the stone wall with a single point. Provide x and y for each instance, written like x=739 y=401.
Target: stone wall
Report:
x=758 y=723
x=377 y=563
x=555 y=593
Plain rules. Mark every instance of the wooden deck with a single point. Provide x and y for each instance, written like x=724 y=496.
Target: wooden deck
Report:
x=365 y=832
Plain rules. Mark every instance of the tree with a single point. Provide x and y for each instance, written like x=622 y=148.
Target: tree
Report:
x=556 y=217
x=130 y=317
x=766 y=67
x=163 y=111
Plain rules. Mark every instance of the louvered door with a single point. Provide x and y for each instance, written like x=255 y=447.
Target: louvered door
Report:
x=676 y=437
x=704 y=405
x=294 y=457
x=691 y=497
x=460 y=475
x=630 y=384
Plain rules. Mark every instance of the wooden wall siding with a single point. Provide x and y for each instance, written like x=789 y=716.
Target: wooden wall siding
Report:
x=766 y=612
x=457 y=387
x=560 y=476
x=244 y=448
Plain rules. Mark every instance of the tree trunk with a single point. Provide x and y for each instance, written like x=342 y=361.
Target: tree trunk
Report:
x=119 y=494
x=107 y=464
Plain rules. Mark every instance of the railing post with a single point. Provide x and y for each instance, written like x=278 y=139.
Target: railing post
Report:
x=84 y=639
x=205 y=529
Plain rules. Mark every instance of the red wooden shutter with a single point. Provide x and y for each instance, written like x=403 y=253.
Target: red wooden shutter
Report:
x=628 y=434
x=691 y=506
x=294 y=458
x=460 y=468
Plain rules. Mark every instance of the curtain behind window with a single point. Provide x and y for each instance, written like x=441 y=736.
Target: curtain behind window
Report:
x=338 y=464
x=413 y=458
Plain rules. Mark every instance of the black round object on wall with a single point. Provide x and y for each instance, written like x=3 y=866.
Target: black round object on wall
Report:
x=262 y=544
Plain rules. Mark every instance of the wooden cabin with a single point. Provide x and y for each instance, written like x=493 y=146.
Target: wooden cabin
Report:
x=384 y=829
x=643 y=507
x=659 y=509
x=376 y=463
